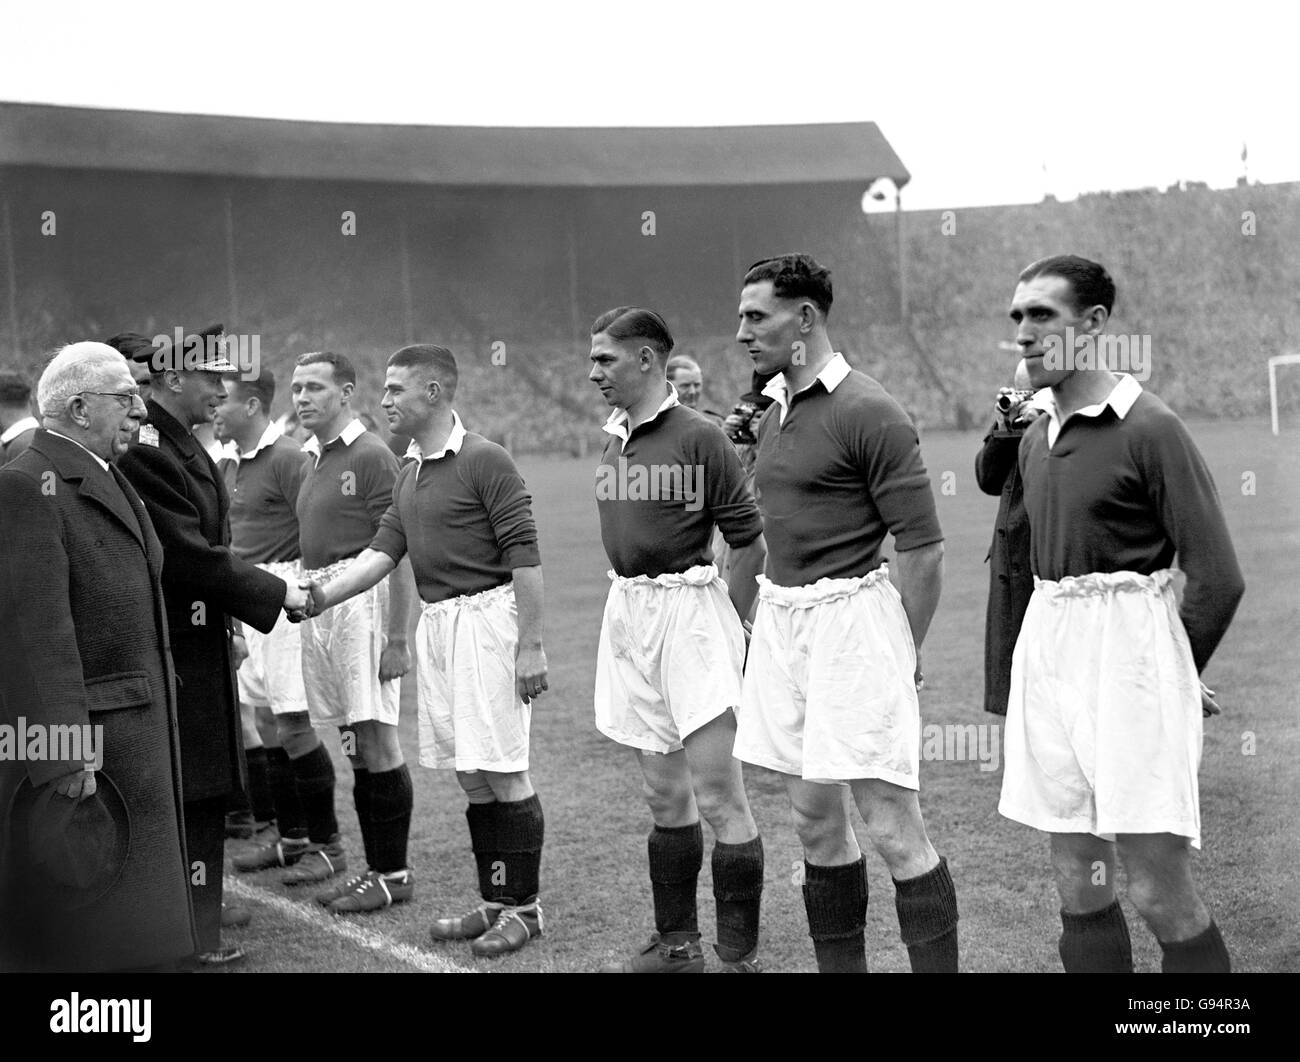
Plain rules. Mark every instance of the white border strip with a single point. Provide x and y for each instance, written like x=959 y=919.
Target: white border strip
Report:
x=366 y=938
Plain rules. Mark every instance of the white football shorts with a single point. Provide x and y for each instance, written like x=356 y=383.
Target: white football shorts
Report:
x=669 y=658
x=830 y=692
x=1103 y=727
x=471 y=718
x=340 y=658
x=271 y=676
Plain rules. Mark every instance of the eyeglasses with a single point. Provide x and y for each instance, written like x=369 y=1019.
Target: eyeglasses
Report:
x=128 y=396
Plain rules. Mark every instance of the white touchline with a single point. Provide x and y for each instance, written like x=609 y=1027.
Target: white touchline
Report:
x=367 y=938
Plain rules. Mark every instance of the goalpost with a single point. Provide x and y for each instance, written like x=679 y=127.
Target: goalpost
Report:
x=1273 y=363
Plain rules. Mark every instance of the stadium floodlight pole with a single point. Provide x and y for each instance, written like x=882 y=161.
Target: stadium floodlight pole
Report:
x=11 y=274
x=879 y=191
x=1273 y=363
x=902 y=272
x=232 y=290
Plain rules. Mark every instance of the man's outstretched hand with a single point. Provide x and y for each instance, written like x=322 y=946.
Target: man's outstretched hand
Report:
x=304 y=601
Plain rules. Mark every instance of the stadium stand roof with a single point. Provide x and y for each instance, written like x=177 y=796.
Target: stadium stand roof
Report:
x=459 y=156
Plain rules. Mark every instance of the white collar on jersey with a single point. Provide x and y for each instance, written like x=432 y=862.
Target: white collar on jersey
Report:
x=18 y=427
x=231 y=449
x=831 y=376
x=1121 y=399
x=349 y=435
x=452 y=446
x=616 y=425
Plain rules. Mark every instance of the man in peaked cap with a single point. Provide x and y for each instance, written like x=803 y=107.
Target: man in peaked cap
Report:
x=129 y=344
x=206 y=587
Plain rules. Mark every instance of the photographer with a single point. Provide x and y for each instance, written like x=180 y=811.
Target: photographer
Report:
x=741 y=422
x=1010 y=580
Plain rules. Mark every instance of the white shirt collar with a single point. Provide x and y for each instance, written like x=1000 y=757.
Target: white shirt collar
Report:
x=1121 y=399
x=231 y=449
x=831 y=376
x=98 y=460
x=452 y=446
x=618 y=420
x=16 y=429
x=354 y=430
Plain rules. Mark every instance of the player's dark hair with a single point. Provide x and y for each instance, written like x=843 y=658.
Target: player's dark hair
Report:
x=794 y=276
x=634 y=322
x=1090 y=284
x=14 y=390
x=263 y=389
x=340 y=366
x=438 y=362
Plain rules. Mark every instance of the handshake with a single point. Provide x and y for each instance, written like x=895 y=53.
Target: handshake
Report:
x=303 y=600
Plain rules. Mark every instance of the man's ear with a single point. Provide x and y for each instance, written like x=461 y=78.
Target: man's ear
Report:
x=433 y=391
x=646 y=358
x=807 y=316
x=1095 y=319
x=76 y=410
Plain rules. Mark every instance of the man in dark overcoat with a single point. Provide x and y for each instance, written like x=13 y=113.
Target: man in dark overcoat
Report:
x=93 y=868
x=205 y=585
x=1010 y=580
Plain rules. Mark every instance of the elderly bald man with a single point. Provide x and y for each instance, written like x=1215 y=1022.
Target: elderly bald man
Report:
x=93 y=867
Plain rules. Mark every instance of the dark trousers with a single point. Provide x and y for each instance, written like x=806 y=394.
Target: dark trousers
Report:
x=205 y=839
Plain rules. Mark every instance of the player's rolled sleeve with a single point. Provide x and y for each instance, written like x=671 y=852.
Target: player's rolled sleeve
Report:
x=509 y=509
x=391 y=536
x=726 y=491
x=1187 y=501
x=900 y=486
x=376 y=474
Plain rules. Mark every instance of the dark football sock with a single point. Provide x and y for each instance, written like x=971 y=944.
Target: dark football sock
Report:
x=260 y=796
x=288 y=808
x=738 y=893
x=391 y=800
x=1204 y=953
x=238 y=807
x=482 y=819
x=836 y=901
x=676 y=856
x=363 y=801
x=314 y=774
x=1096 y=942
x=927 y=919
x=521 y=829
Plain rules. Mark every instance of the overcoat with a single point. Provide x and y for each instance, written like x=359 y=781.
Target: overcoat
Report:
x=86 y=645
x=1010 y=581
x=204 y=584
